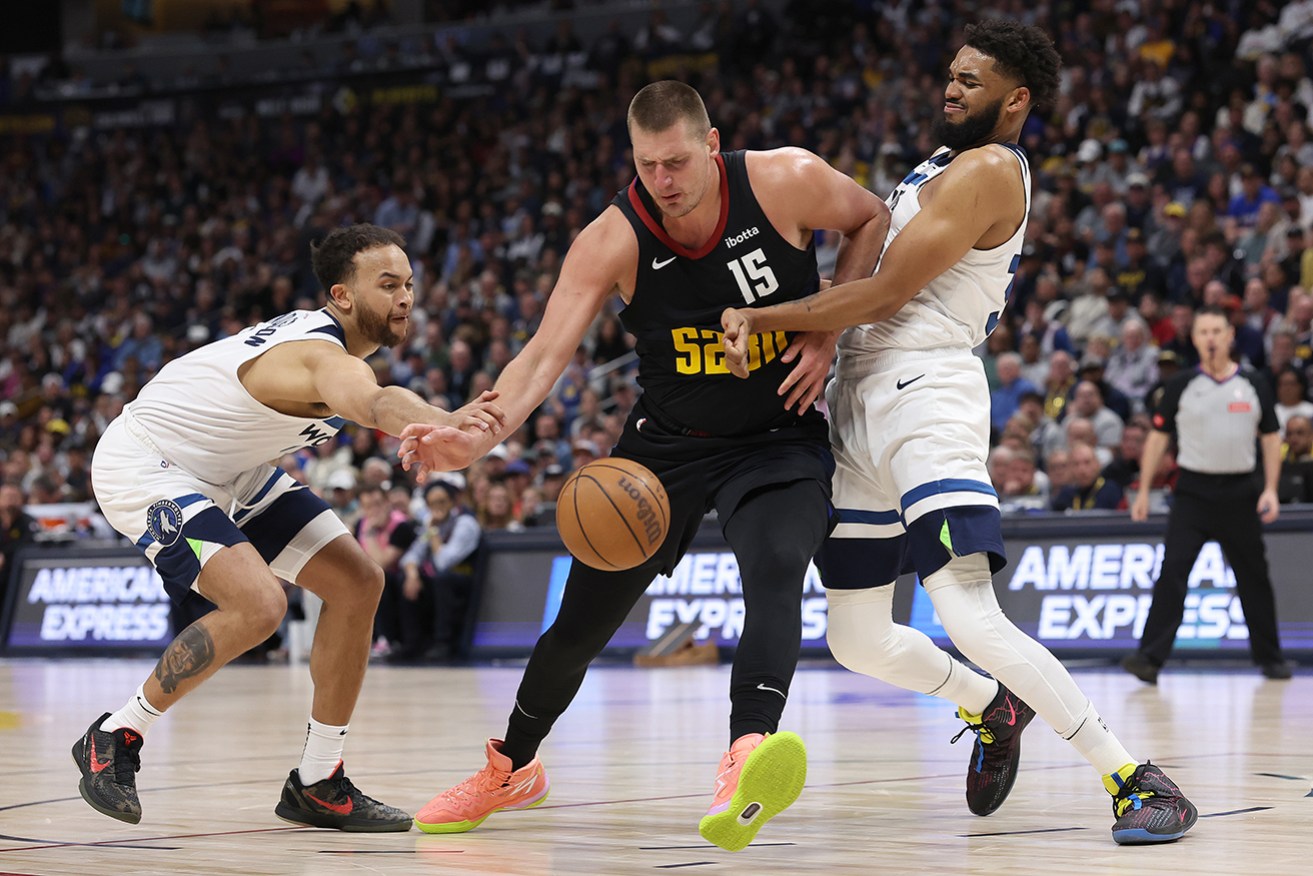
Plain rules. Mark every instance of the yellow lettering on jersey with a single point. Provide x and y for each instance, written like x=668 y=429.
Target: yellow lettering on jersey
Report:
x=714 y=352
x=702 y=351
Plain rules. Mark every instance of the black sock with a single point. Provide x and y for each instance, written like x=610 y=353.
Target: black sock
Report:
x=754 y=711
x=524 y=733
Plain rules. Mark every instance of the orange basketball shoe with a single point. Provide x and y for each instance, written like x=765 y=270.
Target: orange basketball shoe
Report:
x=491 y=789
x=759 y=777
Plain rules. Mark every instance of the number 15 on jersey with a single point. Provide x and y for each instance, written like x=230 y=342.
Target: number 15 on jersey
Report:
x=755 y=278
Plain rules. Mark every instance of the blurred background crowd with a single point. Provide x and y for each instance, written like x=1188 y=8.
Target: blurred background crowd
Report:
x=170 y=202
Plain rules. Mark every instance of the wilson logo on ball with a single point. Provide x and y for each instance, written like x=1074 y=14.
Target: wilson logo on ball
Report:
x=613 y=514
x=647 y=515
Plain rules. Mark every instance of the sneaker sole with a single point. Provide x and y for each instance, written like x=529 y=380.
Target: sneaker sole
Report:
x=772 y=778
x=463 y=826
x=1141 y=837
x=338 y=822
x=126 y=817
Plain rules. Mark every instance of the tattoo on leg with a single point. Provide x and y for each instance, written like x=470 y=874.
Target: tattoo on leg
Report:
x=189 y=654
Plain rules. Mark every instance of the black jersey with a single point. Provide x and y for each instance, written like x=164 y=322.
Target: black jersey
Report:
x=680 y=294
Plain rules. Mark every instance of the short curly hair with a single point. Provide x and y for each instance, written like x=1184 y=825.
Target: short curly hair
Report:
x=333 y=258
x=1021 y=52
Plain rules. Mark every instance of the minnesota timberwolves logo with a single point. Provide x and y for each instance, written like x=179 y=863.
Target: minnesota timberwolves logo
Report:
x=164 y=521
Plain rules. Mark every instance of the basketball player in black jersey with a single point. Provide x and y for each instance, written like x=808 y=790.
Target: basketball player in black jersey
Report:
x=697 y=231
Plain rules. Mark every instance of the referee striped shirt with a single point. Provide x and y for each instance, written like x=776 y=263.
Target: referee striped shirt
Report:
x=1215 y=421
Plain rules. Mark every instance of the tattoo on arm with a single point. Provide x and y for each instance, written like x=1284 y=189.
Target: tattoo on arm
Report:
x=189 y=654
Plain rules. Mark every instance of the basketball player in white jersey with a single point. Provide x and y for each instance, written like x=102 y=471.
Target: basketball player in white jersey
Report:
x=183 y=473
x=910 y=430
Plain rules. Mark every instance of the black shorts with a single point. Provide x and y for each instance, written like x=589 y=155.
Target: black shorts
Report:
x=701 y=473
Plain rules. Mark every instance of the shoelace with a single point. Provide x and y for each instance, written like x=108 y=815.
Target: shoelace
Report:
x=481 y=782
x=1132 y=799
x=346 y=790
x=127 y=763
x=982 y=731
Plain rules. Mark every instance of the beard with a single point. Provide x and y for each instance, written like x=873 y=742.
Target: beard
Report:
x=973 y=130
x=376 y=329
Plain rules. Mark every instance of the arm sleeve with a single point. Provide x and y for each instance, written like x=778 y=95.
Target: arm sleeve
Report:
x=463 y=542
x=1267 y=404
x=1164 y=418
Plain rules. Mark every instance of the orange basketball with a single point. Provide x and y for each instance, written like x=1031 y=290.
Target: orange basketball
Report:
x=612 y=514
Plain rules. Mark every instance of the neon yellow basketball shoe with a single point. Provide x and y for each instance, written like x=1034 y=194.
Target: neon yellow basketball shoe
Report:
x=759 y=777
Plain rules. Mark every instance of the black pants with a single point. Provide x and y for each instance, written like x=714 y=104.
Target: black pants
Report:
x=1221 y=508
x=774 y=532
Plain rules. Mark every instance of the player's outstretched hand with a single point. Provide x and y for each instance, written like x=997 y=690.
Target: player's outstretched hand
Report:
x=435 y=448
x=480 y=414
x=805 y=383
x=737 y=325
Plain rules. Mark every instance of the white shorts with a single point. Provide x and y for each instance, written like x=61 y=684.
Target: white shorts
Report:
x=910 y=433
x=180 y=521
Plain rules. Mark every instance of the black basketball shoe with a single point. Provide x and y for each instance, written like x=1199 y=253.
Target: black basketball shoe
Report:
x=994 y=757
x=1149 y=807
x=335 y=802
x=109 y=762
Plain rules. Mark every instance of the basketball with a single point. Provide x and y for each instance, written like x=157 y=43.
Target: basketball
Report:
x=612 y=514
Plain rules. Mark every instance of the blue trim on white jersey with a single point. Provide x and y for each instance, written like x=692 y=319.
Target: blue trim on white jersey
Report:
x=264 y=491
x=947 y=485
x=334 y=331
x=872 y=518
x=276 y=527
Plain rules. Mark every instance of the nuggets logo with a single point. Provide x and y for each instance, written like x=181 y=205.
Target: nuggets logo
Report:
x=164 y=521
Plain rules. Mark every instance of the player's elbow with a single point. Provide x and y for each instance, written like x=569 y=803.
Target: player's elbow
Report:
x=372 y=407
x=882 y=216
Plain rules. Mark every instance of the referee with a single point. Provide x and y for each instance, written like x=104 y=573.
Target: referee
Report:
x=1214 y=411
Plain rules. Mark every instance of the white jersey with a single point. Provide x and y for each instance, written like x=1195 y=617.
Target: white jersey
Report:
x=961 y=306
x=200 y=418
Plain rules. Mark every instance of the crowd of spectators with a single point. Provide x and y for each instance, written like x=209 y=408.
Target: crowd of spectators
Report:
x=1174 y=172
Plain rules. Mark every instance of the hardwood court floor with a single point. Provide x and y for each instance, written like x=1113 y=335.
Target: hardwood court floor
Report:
x=632 y=765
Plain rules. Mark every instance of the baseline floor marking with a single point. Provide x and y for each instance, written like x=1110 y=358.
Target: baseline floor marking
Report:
x=56 y=844
x=1021 y=832
x=391 y=851
x=1237 y=812
x=706 y=846
x=676 y=866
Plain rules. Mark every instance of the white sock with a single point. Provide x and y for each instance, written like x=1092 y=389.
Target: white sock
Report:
x=863 y=637
x=323 y=751
x=1096 y=743
x=967 y=688
x=136 y=713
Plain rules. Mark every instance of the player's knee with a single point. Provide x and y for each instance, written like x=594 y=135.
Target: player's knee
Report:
x=356 y=586
x=858 y=640
x=370 y=588
x=847 y=644
x=266 y=609
x=778 y=557
x=962 y=592
x=569 y=648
